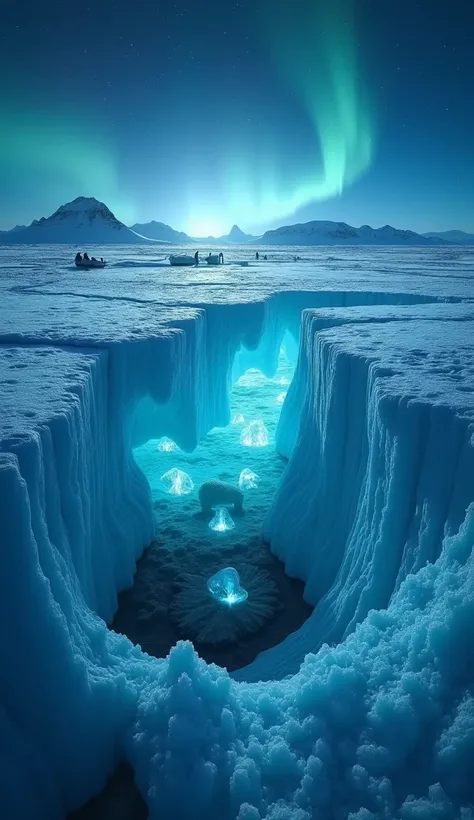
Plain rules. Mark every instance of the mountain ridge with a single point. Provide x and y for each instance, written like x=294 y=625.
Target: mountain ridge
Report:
x=160 y=232
x=86 y=220
x=456 y=237
x=324 y=232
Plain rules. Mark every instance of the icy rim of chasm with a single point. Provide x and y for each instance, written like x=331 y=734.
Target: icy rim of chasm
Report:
x=367 y=711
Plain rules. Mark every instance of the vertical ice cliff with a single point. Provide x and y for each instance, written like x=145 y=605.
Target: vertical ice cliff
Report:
x=382 y=469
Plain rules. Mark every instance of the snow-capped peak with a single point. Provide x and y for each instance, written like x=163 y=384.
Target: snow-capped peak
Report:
x=83 y=210
x=84 y=220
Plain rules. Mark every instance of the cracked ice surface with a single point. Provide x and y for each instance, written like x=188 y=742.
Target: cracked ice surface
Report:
x=366 y=711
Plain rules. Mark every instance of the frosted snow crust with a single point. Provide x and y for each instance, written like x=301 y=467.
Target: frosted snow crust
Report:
x=374 y=513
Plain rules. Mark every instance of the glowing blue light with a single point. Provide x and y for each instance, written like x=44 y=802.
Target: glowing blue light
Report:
x=166 y=445
x=281 y=398
x=238 y=419
x=222 y=522
x=225 y=587
x=248 y=480
x=176 y=482
x=251 y=378
x=255 y=435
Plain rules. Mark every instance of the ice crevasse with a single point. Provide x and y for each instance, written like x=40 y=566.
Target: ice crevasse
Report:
x=366 y=711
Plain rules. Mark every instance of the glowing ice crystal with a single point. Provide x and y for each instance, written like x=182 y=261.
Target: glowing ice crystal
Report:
x=225 y=587
x=177 y=482
x=248 y=480
x=222 y=522
x=255 y=435
x=238 y=419
x=281 y=398
x=167 y=445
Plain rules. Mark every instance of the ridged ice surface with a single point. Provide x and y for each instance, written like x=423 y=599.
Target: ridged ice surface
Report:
x=367 y=710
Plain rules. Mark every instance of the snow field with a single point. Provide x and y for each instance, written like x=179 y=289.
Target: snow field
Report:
x=381 y=724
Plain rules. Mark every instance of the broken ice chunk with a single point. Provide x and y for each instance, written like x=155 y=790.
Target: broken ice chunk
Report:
x=238 y=419
x=225 y=587
x=222 y=522
x=167 y=445
x=281 y=398
x=255 y=435
x=248 y=480
x=176 y=482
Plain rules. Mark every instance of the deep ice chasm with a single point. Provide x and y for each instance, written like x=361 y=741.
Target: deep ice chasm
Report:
x=380 y=725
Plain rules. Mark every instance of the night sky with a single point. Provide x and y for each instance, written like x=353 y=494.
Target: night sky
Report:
x=206 y=114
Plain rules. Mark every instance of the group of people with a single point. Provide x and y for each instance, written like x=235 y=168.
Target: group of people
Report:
x=209 y=256
x=85 y=258
x=257 y=256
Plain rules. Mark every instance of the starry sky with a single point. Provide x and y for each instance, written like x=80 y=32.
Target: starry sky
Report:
x=255 y=112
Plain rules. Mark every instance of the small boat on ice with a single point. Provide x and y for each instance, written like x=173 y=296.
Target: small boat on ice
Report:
x=184 y=260
x=214 y=259
x=80 y=262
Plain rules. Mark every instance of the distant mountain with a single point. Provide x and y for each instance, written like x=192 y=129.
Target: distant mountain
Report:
x=454 y=237
x=84 y=221
x=339 y=233
x=16 y=228
x=236 y=237
x=160 y=232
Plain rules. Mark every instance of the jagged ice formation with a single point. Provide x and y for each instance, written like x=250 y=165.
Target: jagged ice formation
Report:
x=366 y=711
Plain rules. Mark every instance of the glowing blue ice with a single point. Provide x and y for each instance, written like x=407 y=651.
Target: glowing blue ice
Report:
x=222 y=522
x=225 y=587
x=167 y=445
x=255 y=435
x=176 y=482
x=281 y=398
x=248 y=480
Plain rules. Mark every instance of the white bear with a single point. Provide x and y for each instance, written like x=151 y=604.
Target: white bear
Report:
x=219 y=494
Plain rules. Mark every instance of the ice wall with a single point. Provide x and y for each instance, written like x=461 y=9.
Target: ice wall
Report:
x=381 y=468
x=75 y=513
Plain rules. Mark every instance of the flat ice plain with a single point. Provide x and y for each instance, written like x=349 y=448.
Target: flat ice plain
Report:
x=365 y=712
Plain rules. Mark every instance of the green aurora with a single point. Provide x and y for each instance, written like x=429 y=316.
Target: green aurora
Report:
x=315 y=52
x=57 y=152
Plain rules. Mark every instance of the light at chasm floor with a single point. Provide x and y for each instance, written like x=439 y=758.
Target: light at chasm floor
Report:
x=170 y=599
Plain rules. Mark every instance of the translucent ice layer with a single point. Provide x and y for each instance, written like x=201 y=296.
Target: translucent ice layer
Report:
x=177 y=482
x=225 y=587
x=222 y=522
x=255 y=435
x=248 y=480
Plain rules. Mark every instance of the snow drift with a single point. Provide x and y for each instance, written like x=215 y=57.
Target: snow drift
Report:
x=365 y=712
